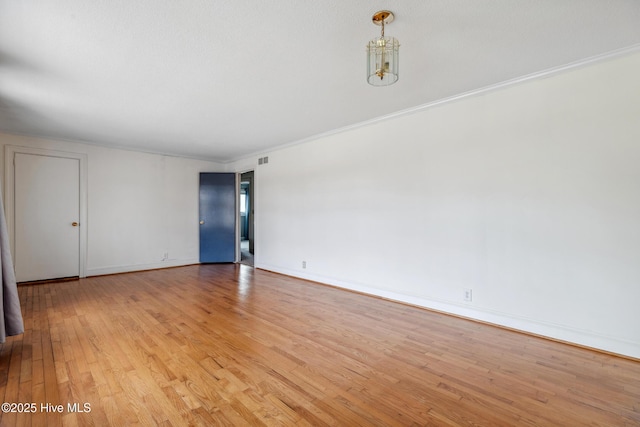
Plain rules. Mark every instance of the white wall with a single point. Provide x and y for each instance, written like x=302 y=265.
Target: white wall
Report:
x=140 y=206
x=529 y=195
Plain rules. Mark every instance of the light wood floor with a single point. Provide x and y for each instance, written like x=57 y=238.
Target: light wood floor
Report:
x=227 y=345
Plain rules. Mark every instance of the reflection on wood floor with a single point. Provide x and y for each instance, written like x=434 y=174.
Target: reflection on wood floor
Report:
x=230 y=345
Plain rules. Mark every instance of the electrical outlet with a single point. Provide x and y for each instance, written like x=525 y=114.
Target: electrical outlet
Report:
x=468 y=295
x=304 y=264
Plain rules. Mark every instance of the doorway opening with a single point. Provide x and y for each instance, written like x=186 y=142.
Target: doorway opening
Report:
x=246 y=208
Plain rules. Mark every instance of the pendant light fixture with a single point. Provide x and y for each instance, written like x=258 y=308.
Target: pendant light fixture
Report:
x=382 y=54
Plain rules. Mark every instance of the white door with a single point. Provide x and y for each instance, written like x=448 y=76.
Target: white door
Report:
x=47 y=216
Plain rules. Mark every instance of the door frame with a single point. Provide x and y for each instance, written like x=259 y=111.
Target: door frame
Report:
x=9 y=193
x=253 y=185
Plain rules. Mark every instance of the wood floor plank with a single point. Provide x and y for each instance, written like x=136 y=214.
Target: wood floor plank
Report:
x=230 y=345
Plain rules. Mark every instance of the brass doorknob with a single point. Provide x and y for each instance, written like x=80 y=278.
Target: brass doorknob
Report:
x=75 y=224
x=201 y=222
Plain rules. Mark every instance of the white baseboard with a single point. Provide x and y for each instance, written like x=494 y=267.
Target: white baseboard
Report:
x=139 y=267
x=549 y=330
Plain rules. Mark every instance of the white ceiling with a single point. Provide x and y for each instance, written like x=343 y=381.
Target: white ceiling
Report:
x=221 y=80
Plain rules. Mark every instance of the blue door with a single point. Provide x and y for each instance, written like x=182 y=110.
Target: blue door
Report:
x=217 y=217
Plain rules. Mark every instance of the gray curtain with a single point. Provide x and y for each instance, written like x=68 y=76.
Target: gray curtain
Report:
x=11 y=320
